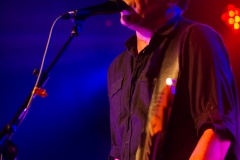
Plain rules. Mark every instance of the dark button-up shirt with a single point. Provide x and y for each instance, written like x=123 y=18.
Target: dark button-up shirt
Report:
x=206 y=93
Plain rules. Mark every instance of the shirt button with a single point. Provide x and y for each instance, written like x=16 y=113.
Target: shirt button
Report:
x=210 y=106
x=154 y=80
x=127 y=142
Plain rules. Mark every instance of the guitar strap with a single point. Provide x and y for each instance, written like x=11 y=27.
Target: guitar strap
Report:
x=149 y=148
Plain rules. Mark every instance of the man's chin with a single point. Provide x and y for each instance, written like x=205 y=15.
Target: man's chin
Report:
x=131 y=25
x=125 y=19
x=128 y=22
x=123 y=23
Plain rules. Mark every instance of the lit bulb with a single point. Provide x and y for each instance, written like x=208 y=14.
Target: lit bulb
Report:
x=231 y=13
x=169 y=81
x=231 y=21
x=236 y=26
x=237 y=19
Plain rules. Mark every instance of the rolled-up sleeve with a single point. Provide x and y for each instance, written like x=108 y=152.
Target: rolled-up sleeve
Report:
x=211 y=85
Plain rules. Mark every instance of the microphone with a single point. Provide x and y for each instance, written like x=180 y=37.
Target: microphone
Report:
x=109 y=7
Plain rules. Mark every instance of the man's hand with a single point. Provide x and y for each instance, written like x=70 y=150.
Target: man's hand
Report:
x=210 y=147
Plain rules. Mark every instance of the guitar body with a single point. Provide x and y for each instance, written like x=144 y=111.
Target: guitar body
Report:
x=151 y=147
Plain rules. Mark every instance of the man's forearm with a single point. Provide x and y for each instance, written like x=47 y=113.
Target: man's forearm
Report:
x=210 y=147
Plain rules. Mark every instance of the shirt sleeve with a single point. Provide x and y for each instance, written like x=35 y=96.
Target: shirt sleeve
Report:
x=114 y=85
x=211 y=86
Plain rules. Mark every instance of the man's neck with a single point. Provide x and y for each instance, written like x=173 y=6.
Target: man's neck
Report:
x=144 y=35
x=143 y=40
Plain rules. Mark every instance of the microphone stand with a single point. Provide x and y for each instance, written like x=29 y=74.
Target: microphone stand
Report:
x=8 y=150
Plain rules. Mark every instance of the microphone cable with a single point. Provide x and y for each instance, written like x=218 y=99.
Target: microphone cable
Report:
x=40 y=70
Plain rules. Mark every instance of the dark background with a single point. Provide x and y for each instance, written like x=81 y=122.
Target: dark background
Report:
x=72 y=123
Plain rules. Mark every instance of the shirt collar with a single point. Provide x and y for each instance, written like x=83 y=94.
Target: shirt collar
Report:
x=164 y=30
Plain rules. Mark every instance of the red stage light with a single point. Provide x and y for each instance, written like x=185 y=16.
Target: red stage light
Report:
x=237 y=19
x=231 y=21
x=231 y=13
x=237 y=11
x=231 y=7
x=236 y=26
x=224 y=17
x=232 y=17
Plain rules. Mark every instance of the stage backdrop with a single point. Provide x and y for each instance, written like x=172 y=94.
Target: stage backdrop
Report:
x=72 y=123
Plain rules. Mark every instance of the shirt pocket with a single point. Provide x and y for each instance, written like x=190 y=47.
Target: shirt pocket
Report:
x=115 y=100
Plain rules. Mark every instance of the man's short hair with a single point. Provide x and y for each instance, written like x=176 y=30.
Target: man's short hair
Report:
x=183 y=4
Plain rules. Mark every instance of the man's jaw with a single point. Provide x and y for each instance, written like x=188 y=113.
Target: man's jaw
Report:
x=126 y=16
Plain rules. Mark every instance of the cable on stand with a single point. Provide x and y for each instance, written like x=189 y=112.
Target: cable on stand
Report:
x=8 y=150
